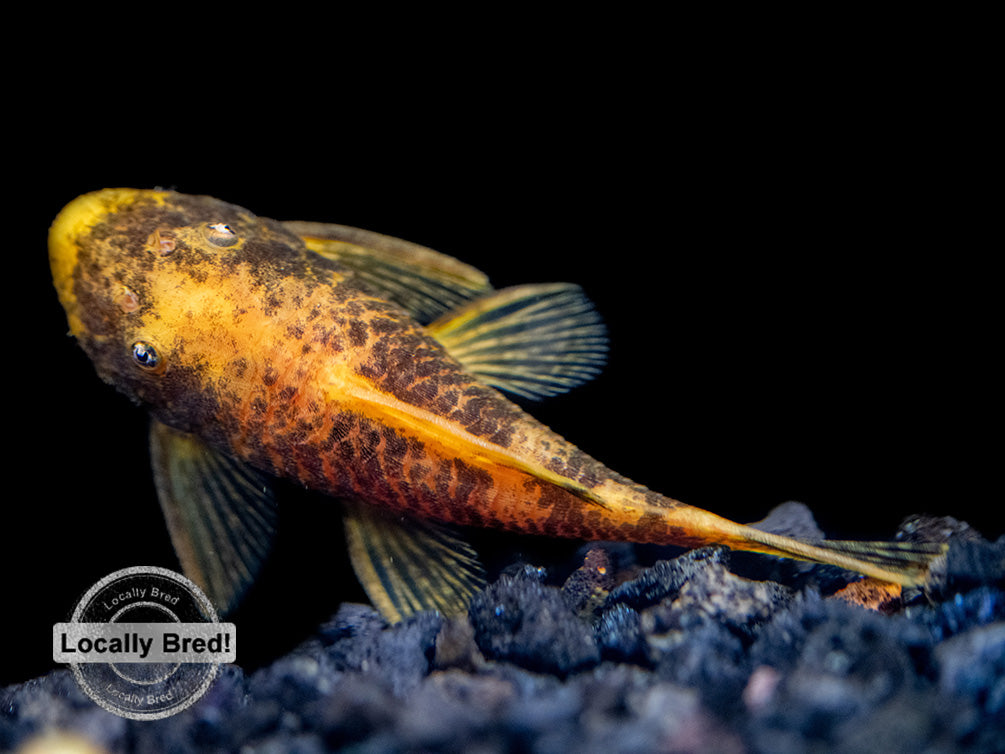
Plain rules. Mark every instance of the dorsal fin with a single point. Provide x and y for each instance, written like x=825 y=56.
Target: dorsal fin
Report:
x=426 y=283
x=530 y=340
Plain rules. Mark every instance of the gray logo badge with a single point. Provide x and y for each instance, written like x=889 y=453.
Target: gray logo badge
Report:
x=144 y=643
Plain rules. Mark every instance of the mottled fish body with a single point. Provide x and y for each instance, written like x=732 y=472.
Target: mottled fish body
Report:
x=366 y=368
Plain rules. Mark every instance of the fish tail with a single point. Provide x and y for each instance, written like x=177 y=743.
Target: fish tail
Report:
x=904 y=563
x=668 y=521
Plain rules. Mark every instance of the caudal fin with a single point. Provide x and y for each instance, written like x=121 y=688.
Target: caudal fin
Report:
x=904 y=563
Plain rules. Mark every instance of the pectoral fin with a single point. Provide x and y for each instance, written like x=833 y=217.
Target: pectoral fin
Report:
x=407 y=565
x=221 y=514
x=530 y=340
x=423 y=281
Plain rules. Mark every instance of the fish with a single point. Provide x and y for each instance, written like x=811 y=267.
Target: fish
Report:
x=387 y=376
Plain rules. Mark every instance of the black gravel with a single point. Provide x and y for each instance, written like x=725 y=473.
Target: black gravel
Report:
x=694 y=654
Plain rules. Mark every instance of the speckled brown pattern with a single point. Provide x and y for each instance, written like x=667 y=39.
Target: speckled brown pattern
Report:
x=272 y=353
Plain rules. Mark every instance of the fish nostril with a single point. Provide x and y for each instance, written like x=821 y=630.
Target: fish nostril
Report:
x=127 y=300
x=161 y=241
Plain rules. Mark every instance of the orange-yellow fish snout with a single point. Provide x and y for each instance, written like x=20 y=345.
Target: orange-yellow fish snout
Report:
x=70 y=227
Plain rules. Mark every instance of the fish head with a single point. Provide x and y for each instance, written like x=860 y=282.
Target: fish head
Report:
x=153 y=283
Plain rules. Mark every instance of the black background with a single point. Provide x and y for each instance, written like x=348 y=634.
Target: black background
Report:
x=784 y=238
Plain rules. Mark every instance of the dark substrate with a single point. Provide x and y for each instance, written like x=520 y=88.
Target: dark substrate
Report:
x=702 y=653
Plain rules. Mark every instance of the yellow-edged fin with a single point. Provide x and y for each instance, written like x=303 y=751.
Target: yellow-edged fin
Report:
x=533 y=341
x=424 y=282
x=911 y=560
x=221 y=513
x=407 y=565
x=904 y=563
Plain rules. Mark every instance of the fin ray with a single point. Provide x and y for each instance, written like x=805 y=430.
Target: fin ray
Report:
x=905 y=557
x=533 y=341
x=425 y=282
x=220 y=513
x=407 y=565
x=905 y=563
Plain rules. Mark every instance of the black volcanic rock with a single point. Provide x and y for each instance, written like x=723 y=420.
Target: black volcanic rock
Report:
x=522 y=621
x=691 y=654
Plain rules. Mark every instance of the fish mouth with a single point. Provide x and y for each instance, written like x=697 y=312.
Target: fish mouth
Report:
x=68 y=232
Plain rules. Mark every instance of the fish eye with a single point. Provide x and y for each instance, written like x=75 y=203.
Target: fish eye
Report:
x=145 y=356
x=220 y=234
